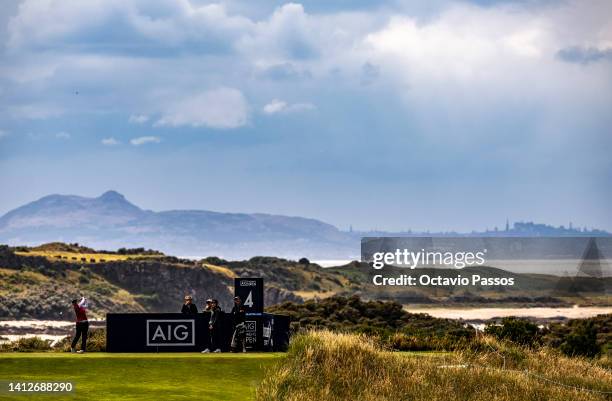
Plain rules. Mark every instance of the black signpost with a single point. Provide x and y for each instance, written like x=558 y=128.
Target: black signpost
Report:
x=177 y=332
x=251 y=292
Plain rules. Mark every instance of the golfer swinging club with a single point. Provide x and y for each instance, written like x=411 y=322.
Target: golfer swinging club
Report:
x=82 y=325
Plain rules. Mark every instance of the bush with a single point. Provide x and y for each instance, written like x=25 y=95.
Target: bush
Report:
x=582 y=337
x=520 y=331
x=96 y=341
x=379 y=319
x=582 y=341
x=27 y=344
x=213 y=260
x=403 y=342
x=139 y=251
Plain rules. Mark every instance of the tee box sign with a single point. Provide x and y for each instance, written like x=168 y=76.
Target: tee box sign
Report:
x=251 y=292
x=170 y=333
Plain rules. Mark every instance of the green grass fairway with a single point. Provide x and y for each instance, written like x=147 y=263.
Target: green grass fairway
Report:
x=164 y=376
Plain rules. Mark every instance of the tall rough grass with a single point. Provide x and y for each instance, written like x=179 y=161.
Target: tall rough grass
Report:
x=96 y=341
x=326 y=366
x=30 y=344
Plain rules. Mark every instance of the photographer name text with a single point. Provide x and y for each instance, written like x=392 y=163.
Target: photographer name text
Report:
x=405 y=258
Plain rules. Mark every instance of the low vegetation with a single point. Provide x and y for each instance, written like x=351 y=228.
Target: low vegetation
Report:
x=27 y=344
x=322 y=365
x=397 y=329
x=302 y=277
x=388 y=322
x=96 y=342
x=577 y=337
x=81 y=254
x=582 y=336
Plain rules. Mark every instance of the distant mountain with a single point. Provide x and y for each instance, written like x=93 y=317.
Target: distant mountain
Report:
x=66 y=211
x=111 y=221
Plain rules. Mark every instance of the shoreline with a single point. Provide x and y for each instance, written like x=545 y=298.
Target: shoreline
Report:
x=538 y=312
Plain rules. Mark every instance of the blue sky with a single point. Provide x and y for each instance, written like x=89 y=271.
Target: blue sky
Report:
x=439 y=115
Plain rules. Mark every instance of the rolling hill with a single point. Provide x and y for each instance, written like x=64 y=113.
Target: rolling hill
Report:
x=39 y=282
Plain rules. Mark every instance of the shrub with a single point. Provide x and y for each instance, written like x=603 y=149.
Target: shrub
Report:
x=379 y=319
x=27 y=344
x=214 y=260
x=582 y=337
x=520 y=331
x=403 y=342
x=581 y=341
x=96 y=341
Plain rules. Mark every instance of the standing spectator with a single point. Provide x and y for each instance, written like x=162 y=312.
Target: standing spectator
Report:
x=208 y=306
x=208 y=309
x=189 y=307
x=82 y=325
x=213 y=327
x=238 y=317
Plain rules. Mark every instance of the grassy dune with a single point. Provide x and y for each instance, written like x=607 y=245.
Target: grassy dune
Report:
x=320 y=366
x=328 y=366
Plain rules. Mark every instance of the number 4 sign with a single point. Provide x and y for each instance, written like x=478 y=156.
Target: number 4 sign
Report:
x=249 y=301
x=251 y=292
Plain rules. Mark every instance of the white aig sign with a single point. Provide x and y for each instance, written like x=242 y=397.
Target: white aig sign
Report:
x=170 y=332
x=250 y=338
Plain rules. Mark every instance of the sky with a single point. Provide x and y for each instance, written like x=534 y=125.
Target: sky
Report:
x=391 y=115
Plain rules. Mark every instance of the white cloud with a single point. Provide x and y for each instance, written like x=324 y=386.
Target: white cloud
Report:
x=34 y=111
x=110 y=141
x=221 y=108
x=62 y=135
x=285 y=35
x=143 y=140
x=457 y=57
x=492 y=48
x=30 y=68
x=274 y=106
x=480 y=49
x=138 y=118
x=277 y=106
x=311 y=45
x=471 y=63
x=169 y=22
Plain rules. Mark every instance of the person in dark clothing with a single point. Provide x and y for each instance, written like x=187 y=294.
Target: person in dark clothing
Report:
x=238 y=317
x=214 y=326
x=207 y=308
x=82 y=325
x=189 y=307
